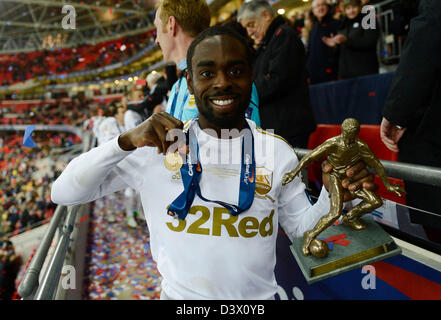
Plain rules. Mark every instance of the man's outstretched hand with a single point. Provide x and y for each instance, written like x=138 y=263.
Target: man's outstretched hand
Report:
x=390 y=134
x=152 y=132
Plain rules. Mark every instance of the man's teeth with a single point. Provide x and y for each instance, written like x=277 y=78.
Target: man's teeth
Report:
x=223 y=102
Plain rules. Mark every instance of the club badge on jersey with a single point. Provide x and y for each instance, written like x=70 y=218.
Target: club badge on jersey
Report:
x=191 y=172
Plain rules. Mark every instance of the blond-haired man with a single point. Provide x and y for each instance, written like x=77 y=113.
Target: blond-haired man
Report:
x=178 y=22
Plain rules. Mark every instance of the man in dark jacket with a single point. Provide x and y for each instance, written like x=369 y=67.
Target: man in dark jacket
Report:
x=157 y=93
x=322 y=60
x=412 y=113
x=279 y=74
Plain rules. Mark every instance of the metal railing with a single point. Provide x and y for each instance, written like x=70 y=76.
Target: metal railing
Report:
x=63 y=221
x=51 y=278
x=400 y=170
x=29 y=285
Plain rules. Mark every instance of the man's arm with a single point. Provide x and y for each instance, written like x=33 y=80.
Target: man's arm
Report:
x=106 y=169
x=91 y=176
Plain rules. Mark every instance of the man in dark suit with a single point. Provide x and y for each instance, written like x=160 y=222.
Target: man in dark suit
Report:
x=279 y=73
x=412 y=113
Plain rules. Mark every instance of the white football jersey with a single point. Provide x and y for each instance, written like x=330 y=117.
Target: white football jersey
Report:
x=109 y=129
x=211 y=254
x=131 y=119
x=96 y=121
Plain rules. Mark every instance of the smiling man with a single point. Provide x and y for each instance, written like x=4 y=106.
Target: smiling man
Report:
x=223 y=248
x=177 y=23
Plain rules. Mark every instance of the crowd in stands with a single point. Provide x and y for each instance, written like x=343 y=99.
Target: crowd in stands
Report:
x=26 y=175
x=57 y=112
x=23 y=66
x=337 y=44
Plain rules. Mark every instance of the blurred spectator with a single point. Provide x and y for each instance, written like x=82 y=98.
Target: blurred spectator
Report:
x=279 y=73
x=322 y=63
x=9 y=266
x=412 y=112
x=113 y=124
x=133 y=103
x=358 y=45
x=307 y=26
x=297 y=21
x=157 y=99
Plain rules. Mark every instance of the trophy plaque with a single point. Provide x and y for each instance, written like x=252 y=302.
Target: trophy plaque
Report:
x=361 y=248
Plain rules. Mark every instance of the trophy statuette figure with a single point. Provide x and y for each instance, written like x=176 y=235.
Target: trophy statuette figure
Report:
x=342 y=152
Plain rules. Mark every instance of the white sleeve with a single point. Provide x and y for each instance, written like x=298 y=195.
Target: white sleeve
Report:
x=94 y=174
x=296 y=213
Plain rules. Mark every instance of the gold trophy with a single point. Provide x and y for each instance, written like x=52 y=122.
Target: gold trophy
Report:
x=343 y=152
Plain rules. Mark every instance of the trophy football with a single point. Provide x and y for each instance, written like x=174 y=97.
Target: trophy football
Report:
x=361 y=241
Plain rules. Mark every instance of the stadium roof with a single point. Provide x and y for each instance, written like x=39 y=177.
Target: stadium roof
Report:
x=30 y=25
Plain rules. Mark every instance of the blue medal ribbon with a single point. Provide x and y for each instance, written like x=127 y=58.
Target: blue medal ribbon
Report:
x=191 y=172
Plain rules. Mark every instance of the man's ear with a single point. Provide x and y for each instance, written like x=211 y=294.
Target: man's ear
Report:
x=189 y=81
x=266 y=15
x=172 y=25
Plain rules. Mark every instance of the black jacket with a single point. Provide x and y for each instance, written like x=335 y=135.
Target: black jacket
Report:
x=280 y=78
x=414 y=99
x=322 y=60
x=358 y=56
x=155 y=97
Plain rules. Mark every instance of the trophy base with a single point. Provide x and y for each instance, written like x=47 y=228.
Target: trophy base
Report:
x=366 y=246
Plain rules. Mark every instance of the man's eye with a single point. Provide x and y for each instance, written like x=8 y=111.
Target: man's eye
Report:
x=206 y=74
x=236 y=71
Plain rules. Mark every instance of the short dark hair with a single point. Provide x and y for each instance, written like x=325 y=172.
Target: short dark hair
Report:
x=355 y=3
x=217 y=31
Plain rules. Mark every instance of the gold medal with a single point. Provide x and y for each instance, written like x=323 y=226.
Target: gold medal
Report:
x=173 y=161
